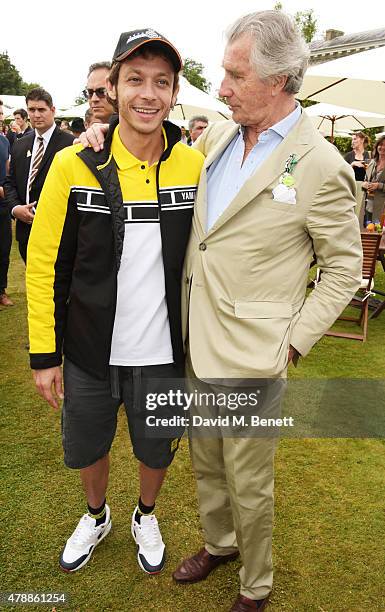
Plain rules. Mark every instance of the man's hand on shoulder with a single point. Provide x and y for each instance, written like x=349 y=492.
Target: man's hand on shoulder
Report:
x=94 y=136
x=49 y=384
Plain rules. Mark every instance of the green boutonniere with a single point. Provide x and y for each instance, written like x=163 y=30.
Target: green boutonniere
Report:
x=286 y=178
x=284 y=191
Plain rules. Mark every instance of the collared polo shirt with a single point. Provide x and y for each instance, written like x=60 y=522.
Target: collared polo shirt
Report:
x=141 y=334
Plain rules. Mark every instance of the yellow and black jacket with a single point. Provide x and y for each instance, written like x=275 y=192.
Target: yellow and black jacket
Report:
x=74 y=253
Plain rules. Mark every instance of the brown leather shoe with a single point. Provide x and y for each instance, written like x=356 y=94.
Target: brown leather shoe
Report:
x=244 y=604
x=5 y=300
x=199 y=566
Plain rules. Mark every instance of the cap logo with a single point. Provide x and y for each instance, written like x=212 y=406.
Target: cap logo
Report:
x=153 y=34
x=147 y=34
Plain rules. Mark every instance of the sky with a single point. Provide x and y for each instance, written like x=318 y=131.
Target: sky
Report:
x=53 y=43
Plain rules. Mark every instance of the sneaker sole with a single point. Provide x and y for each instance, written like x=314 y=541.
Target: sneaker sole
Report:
x=82 y=564
x=139 y=561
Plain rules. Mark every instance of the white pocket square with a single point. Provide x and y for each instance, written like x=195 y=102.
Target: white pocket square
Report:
x=285 y=195
x=29 y=153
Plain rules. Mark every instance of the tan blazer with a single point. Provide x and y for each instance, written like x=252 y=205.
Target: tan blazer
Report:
x=245 y=279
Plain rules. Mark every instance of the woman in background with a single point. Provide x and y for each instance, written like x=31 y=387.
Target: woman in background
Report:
x=359 y=158
x=374 y=184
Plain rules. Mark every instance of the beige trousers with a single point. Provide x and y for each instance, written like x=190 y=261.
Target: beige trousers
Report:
x=235 y=482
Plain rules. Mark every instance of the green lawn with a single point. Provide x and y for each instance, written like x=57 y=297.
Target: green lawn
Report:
x=329 y=525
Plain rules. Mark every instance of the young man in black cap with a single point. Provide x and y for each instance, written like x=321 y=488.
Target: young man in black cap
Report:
x=104 y=282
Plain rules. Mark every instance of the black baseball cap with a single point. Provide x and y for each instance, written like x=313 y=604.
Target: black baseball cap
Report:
x=131 y=41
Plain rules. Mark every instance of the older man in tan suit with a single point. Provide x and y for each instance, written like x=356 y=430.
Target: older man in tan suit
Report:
x=273 y=193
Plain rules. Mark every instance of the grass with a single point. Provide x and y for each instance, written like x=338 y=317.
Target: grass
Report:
x=329 y=523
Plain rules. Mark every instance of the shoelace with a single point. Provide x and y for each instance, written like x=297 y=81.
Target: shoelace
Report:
x=150 y=534
x=83 y=531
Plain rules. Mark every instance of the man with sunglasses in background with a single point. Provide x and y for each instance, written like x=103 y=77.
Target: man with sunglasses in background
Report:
x=95 y=91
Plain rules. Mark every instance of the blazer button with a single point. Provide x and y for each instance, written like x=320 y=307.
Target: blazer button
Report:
x=202 y=246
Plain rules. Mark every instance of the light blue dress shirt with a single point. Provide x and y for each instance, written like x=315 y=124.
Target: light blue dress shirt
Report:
x=226 y=174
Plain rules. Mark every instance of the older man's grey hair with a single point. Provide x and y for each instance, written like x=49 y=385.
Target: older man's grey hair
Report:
x=279 y=48
x=196 y=118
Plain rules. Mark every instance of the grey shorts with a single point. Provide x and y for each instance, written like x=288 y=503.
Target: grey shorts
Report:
x=90 y=409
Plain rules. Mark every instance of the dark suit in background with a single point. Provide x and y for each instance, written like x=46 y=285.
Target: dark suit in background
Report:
x=5 y=221
x=13 y=136
x=15 y=185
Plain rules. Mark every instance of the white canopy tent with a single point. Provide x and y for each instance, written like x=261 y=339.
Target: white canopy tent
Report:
x=73 y=111
x=329 y=118
x=11 y=103
x=191 y=101
x=357 y=80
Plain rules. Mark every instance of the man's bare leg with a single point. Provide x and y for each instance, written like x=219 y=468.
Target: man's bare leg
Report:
x=151 y=481
x=95 y=481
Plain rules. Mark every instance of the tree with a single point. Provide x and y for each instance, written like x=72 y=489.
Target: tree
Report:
x=343 y=144
x=28 y=86
x=305 y=20
x=11 y=83
x=192 y=71
x=307 y=23
x=307 y=103
x=80 y=99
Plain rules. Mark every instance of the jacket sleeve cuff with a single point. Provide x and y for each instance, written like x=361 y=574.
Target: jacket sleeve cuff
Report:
x=12 y=215
x=302 y=342
x=43 y=361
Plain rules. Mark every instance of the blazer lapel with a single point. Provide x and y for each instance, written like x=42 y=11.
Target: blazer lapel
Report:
x=381 y=178
x=27 y=153
x=370 y=171
x=201 y=204
x=299 y=141
x=25 y=163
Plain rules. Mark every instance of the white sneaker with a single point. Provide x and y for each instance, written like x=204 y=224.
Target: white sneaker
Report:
x=148 y=539
x=81 y=544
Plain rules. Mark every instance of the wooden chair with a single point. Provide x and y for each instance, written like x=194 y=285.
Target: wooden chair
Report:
x=370 y=246
x=381 y=306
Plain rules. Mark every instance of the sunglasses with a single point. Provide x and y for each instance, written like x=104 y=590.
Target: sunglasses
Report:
x=100 y=92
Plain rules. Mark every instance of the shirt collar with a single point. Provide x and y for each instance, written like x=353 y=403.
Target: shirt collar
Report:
x=285 y=125
x=47 y=135
x=124 y=159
